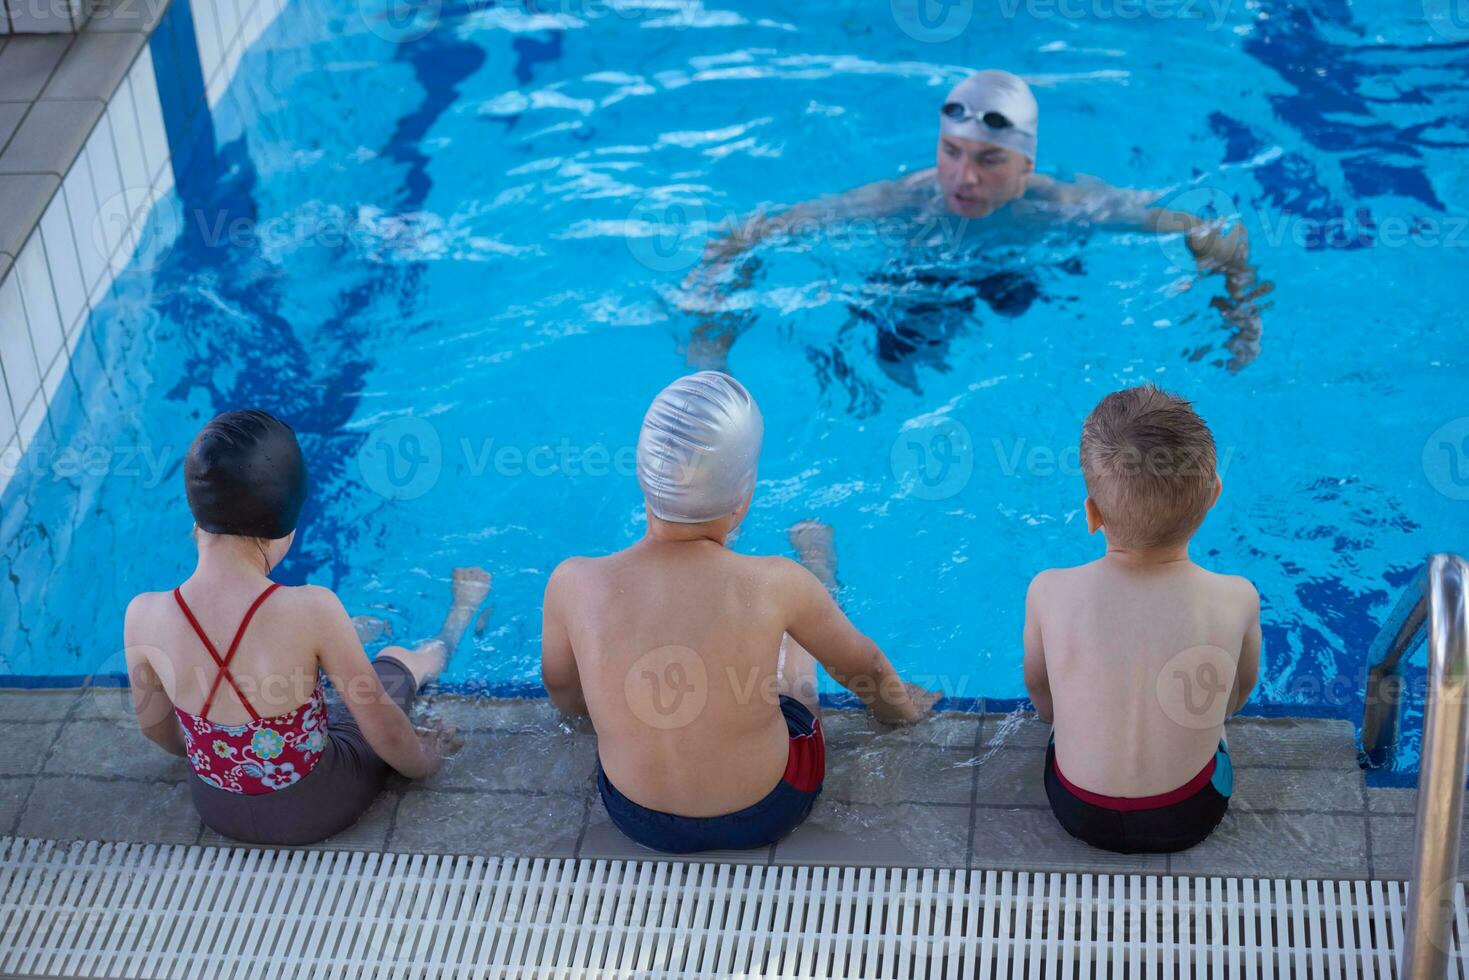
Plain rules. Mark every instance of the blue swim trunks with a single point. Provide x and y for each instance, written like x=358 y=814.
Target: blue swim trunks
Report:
x=759 y=825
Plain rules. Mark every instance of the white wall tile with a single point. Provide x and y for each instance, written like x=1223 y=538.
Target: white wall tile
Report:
x=55 y=375
x=39 y=300
x=7 y=428
x=62 y=259
x=21 y=376
x=262 y=12
x=31 y=419
x=111 y=229
x=163 y=183
x=229 y=20
x=206 y=34
x=129 y=141
x=150 y=114
x=81 y=201
x=9 y=460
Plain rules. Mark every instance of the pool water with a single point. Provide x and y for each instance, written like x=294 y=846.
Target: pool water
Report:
x=451 y=252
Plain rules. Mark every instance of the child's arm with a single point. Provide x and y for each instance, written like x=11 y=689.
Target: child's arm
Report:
x=1037 y=684
x=150 y=701
x=816 y=622
x=386 y=728
x=1248 y=671
x=558 y=661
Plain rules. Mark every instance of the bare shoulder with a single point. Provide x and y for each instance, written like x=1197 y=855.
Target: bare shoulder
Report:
x=1042 y=185
x=1235 y=589
x=146 y=603
x=311 y=600
x=573 y=570
x=144 y=609
x=1050 y=581
x=919 y=178
x=575 y=576
x=773 y=575
x=316 y=610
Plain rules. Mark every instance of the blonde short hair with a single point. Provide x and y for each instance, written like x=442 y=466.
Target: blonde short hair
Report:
x=1150 y=466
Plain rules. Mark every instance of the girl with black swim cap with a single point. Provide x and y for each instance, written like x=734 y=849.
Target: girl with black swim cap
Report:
x=226 y=670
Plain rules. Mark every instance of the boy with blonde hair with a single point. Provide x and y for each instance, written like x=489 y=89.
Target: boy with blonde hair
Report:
x=1137 y=658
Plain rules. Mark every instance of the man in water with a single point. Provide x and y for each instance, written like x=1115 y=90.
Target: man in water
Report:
x=985 y=168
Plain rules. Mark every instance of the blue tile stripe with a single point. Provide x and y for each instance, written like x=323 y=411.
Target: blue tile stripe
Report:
x=179 y=72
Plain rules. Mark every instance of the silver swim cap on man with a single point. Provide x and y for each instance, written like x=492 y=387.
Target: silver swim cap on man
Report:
x=995 y=107
x=699 y=448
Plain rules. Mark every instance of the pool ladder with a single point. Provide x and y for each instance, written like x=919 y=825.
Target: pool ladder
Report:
x=1432 y=608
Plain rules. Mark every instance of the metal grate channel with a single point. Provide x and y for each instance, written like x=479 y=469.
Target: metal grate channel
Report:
x=90 y=909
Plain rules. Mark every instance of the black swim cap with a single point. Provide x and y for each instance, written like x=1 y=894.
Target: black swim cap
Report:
x=245 y=475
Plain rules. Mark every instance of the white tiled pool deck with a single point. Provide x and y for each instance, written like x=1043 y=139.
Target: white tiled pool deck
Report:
x=964 y=790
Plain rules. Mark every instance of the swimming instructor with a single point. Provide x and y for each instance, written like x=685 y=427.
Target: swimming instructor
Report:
x=988 y=128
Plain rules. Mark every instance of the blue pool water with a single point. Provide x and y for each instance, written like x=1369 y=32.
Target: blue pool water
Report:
x=462 y=288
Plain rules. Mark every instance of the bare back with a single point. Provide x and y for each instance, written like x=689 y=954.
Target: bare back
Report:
x=1143 y=664
x=677 y=647
x=275 y=665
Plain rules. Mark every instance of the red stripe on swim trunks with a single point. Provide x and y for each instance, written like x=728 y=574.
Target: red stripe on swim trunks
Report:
x=806 y=762
x=1127 y=803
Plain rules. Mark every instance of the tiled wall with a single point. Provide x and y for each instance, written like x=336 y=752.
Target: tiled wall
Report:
x=90 y=230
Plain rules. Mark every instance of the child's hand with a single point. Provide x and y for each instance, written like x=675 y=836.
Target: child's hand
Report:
x=437 y=744
x=914 y=706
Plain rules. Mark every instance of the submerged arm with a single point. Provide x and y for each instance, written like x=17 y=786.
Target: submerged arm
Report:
x=874 y=200
x=1214 y=249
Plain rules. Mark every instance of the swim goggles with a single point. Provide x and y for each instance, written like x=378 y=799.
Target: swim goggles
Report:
x=959 y=112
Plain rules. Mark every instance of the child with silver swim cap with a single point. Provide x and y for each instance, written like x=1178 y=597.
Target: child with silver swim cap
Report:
x=691 y=660
x=699 y=449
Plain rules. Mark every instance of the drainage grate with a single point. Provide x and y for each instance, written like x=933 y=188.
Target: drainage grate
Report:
x=133 y=910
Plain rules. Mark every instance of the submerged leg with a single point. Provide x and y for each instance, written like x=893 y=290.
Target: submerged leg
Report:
x=470 y=587
x=815 y=549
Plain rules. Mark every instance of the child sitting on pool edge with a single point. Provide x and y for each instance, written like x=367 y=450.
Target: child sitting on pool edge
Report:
x=1137 y=658
x=691 y=659
x=274 y=762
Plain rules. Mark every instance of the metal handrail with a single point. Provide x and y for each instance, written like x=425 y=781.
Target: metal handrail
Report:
x=1435 y=607
x=1405 y=628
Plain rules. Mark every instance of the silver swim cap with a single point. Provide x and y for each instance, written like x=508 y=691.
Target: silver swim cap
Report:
x=971 y=110
x=699 y=448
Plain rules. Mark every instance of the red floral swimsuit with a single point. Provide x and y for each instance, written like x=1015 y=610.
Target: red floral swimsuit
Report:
x=264 y=754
